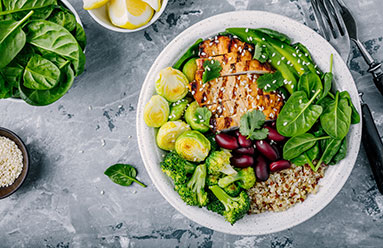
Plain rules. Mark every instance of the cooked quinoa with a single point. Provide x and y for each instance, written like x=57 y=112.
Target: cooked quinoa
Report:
x=11 y=162
x=285 y=188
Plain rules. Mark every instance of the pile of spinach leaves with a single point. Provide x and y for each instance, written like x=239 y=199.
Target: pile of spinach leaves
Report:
x=41 y=47
x=317 y=121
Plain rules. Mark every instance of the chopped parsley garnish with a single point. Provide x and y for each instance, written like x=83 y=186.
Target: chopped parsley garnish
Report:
x=212 y=69
x=203 y=115
x=251 y=125
x=270 y=81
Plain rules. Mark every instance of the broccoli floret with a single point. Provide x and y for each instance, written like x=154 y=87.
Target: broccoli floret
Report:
x=232 y=189
x=235 y=207
x=219 y=162
x=214 y=204
x=177 y=168
x=245 y=177
x=193 y=193
x=212 y=179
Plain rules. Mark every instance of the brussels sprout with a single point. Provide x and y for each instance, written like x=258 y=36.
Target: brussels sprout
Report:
x=156 y=111
x=191 y=119
x=172 y=84
x=190 y=68
x=193 y=146
x=177 y=109
x=169 y=132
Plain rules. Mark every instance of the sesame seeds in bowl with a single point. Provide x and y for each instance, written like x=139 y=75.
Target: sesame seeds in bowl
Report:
x=14 y=162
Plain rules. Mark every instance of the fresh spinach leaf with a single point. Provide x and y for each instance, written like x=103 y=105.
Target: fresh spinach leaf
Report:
x=12 y=39
x=307 y=157
x=298 y=114
x=40 y=74
x=355 y=117
x=55 y=38
x=14 y=6
x=63 y=17
x=336 y=118
x=251 y=124
x=296 y=145
x=203 y=116
x=212 y=69
x=41 y=13
x=303 y=50
x=270 y=81
x=190 y=53
x=341 y=154
x=123 y=174
x=275 y=34
x=327 y=81
x=46 y=97
x=331 y=147
x=310 y=83
x=13 y=73
x=80 y=35
x=5 y=88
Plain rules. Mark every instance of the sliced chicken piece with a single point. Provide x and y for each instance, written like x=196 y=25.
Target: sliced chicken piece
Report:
x=220 y=45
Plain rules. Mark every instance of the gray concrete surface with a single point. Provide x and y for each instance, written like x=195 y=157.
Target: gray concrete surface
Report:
x=68 y=202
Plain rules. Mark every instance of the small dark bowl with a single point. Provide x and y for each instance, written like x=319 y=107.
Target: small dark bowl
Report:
x=9 y=190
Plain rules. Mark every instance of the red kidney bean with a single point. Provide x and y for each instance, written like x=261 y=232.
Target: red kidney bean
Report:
x=242 y=161
x=279 y=165
x=245 y=151
x=261 y=169
x=243 y=141
x=277 y=150
x=226 y=141
x=266 y=149
x=274 y=135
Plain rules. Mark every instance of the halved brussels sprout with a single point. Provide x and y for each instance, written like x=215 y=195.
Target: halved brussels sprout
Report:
x=177 y=109
x=169 y=132
x=172 y=84
x=190 y=68
x=156 y=111
x=193 y=146
x=190 y=118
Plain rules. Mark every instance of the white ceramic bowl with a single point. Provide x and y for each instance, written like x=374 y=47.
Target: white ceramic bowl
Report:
x=100 y=15
x=335 y=176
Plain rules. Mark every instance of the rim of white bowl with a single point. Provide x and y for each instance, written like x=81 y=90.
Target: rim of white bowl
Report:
x=336 y=176
x=110 y=26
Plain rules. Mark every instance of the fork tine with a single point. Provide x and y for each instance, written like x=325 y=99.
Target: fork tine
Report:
x=320 y=20
x=338 y=7
x=333 y=19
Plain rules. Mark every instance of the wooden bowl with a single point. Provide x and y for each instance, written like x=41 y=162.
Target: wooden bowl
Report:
x=7 y=191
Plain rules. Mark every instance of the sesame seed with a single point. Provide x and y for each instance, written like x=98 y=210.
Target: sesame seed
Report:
x=273 y=55
x=282 y=58
x=279 y=62
x=294 y=55
x=263 y=39
x=246 y=30
x=282 y=46
x=274 y=81
x=284 y=123
x=203 y=53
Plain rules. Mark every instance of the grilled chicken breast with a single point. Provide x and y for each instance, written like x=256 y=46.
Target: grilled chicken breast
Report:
x=230 y=96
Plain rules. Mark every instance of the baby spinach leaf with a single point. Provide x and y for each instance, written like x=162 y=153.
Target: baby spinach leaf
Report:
x=298 y=114
x=327 y=84
x=341 y=154
x=40 y=74
x=336 y=118
x=41 y=13
x=275 y=34
x=299 y=144
x=212 y=69
x=123 y=174
x=13 y=73
x=307 y=157
x=190 y=53
x=63 y=17
x=251 y=124
x=12 y=39
x=5 y=88
x=14 y=6
x=55 y=38
x=270 y=81
x=310 y=83
x=80 y=35
x=355 y=117
x=60 y=62
x=203 y=116
x=331 y=147
x=46 y=97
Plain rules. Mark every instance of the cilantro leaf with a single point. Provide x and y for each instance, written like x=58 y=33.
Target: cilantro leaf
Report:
x=212 y=69
x=251 y=125
x=260 y=53
x=270 y=81
x=203 y=116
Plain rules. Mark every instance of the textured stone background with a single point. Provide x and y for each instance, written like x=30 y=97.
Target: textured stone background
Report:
x=74 y=140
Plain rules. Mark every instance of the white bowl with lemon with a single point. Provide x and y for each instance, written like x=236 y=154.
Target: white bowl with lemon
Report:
x=125 y=15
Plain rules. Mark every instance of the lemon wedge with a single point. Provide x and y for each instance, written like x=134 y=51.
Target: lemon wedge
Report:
x=130 y=14
x=155 y=4
x=94 y=4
